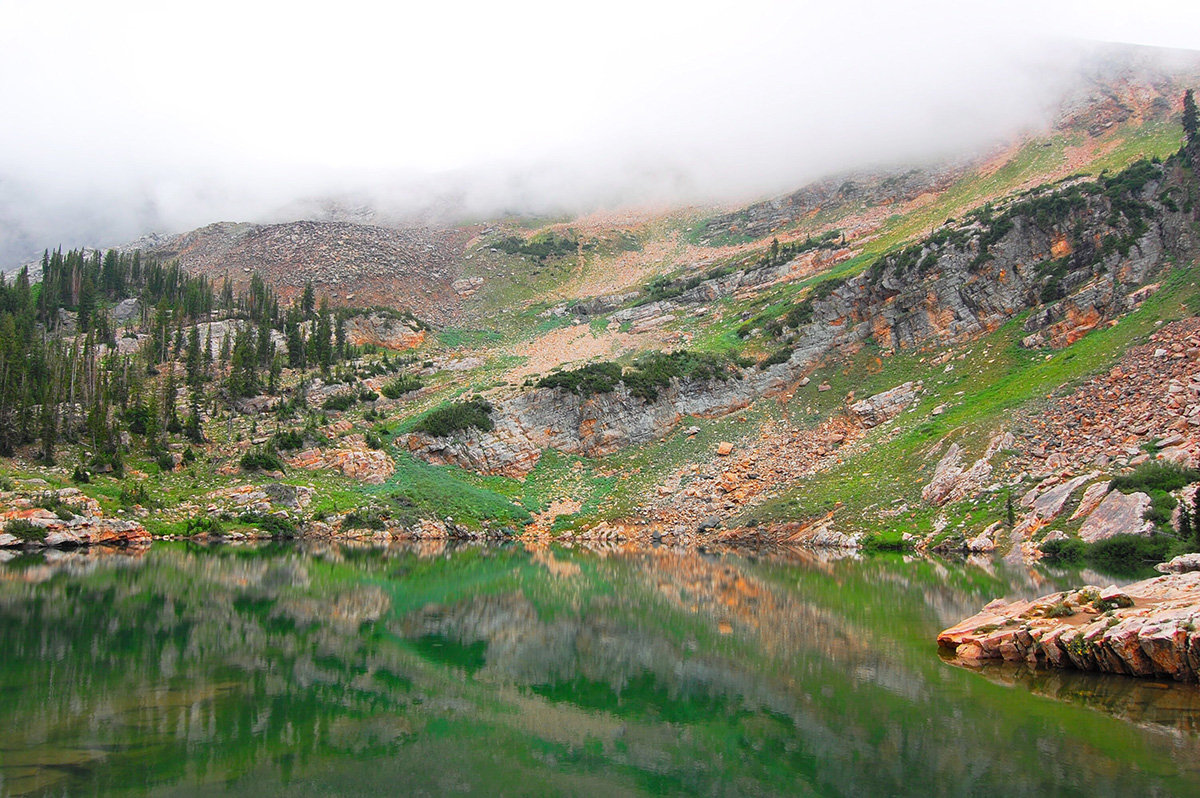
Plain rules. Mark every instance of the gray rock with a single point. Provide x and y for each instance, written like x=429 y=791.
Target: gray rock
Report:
x=1182 y=564
x=883 y=407
x=1118 y=514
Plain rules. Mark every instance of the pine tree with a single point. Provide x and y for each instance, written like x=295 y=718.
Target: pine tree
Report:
x=87 y=304
x=308 y=300
x=1191 y=119
x=320 y=344
x=195 y=359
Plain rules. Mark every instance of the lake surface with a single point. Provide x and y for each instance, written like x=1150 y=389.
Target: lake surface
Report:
x=334 y=671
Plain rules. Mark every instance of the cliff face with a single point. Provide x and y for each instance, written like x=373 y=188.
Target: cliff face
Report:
x=1076 y=256
x=601 y=424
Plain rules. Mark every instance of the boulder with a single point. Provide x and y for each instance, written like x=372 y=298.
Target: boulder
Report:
x=1182 y=564
x=883 y=407
x=1118 y=514
x=1091 y=500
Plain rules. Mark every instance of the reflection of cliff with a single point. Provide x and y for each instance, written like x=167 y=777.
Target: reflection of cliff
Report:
x=550 y=673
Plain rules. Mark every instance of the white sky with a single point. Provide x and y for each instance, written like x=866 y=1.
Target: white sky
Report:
x=220 y=109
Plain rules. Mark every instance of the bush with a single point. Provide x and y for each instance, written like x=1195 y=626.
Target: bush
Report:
x=1155 y=475
x=370 y=518
x=457 y=416
x=80 y=476
x=775 y=358
x=273 y=524
x=367 y=396
x=1127 y=554
x=341 y=401
x=287 y=440
x=405 y=383
x=585 y=381
x=1059 y=609
x=886 y=541
x=135 y=494
x=655 y=370
x=1067 y=550
x=24 y=529
x=202 y=525
x=261 y=460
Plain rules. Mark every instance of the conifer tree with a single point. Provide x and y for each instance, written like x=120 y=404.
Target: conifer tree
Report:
x=1191 y=119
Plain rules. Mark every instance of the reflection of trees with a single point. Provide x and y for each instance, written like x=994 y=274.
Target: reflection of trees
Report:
x=645 y=672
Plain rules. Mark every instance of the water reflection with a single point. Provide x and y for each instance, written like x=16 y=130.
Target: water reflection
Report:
x=319 y=669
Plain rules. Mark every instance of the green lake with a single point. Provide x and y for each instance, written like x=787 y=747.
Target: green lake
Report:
x=502 y=671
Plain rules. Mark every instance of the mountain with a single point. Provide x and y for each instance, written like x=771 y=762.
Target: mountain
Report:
x=897 y=355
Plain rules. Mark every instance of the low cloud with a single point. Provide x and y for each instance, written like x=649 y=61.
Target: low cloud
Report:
x=137 y=119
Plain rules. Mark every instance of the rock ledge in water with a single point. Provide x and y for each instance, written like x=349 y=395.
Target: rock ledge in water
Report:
x=1150 y=628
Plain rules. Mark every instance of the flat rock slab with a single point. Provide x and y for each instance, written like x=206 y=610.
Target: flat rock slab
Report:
x=1146 y=629
x=1118 y=514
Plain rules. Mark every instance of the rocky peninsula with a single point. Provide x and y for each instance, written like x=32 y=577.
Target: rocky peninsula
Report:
x=1148 y=628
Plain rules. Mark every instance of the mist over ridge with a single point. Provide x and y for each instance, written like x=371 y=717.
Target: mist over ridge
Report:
x=708 y=109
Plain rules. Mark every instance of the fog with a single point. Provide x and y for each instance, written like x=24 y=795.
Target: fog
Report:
x=126 y=118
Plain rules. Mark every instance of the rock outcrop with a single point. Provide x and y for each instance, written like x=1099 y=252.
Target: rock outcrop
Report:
x=352 y=456
x=384 y=331
x=1146 y=629
x=55 y=531
x=1077 y=252
x=883 y=407
x=952 y=482
x=546 y=418
x=1118 y=514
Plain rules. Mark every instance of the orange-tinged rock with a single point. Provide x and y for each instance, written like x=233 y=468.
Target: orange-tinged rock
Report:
x=1060 y=247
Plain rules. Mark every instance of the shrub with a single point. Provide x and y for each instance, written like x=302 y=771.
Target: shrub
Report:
x=203 y=525
x=261 y=460
x=775 y=358
x=287 y=440
x=24 y=529
x=80 y=476
x=341 y=401
x=1059 y=609
x=367 y=396
x=886 y=541
x=457 y=416
x=1155 y=475
x=370 y=518
x=1067 y=550
x=273 y=524
x=1127 y=554
x=655 y=370
x=405 y=383
x=135 y=494
x=593 y=378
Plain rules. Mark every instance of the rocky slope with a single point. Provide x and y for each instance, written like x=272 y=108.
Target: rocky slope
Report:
x=356 y=264
x=1077 y=254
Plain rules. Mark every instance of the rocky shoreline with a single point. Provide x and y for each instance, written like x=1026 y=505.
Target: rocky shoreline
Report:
x=1149 y=628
